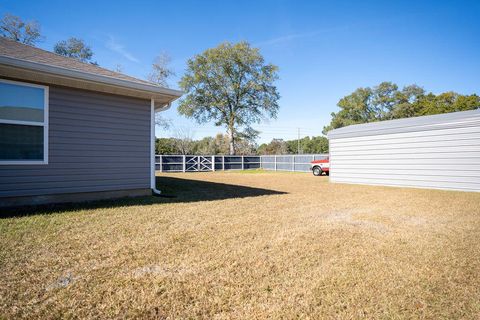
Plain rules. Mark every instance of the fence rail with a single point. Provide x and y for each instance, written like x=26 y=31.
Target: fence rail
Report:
x=197 y=163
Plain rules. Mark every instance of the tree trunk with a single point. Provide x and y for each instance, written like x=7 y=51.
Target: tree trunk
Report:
x=231 y=138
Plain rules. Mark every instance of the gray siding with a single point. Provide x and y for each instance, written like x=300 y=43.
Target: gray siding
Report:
x=441 y=152
x=97 y=142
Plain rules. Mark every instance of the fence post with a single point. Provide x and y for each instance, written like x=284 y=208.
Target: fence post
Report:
x=213 y=163
x=275 y=162
x=198 y=163
x=293 y=163
x=260 y=158
x=223 y=163
x=161 y=163
x=243 y=163
x=184 y=163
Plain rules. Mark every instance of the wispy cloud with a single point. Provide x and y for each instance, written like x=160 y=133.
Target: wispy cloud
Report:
x=295 y=36
x=113 y=45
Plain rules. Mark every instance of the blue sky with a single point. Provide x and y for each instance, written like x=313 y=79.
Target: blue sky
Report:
x=324 y=49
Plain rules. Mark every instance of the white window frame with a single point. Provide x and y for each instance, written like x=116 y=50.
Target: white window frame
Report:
x=43 y=124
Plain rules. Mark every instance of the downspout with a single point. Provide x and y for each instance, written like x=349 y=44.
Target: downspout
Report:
x=153 y=186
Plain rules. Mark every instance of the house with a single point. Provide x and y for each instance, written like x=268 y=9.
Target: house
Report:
x=440 y=151
x=72 y=131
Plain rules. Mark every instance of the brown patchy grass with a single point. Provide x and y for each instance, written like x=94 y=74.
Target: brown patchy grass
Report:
x=311 y=250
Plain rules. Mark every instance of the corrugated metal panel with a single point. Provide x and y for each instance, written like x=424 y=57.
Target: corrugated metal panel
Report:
x=441 y=152
x=97 y=142
x=426 y=123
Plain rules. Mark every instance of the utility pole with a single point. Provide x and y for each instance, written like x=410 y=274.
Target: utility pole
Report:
x=298 y=141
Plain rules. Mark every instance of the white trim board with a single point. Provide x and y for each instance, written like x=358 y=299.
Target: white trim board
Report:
x=43 y=124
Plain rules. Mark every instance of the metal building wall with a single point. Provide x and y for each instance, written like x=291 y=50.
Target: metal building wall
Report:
x=440 y=151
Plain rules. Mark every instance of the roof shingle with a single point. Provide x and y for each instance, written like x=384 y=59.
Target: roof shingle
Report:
x=13 y=49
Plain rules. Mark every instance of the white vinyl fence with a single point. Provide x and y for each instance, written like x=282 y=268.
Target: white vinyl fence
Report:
x=290 y=162
x=196 y=163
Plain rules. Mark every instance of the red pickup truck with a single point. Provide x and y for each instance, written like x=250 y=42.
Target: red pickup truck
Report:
x=320 y=166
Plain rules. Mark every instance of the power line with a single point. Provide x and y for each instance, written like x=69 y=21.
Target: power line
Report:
x=298 y=141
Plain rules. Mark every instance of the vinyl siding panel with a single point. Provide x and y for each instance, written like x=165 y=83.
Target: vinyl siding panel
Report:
x=97 y=142
x=441 y=152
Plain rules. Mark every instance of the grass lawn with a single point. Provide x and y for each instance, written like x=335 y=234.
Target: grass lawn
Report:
x=243 y=246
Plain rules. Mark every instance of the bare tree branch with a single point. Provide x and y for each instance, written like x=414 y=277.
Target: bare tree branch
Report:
x=13 y=27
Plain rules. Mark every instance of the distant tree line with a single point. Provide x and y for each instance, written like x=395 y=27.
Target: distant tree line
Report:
x=386 y=101
x=220 y=145
x=306 y=145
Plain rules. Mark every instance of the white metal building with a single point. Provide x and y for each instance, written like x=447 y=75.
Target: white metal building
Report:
x=439 y=151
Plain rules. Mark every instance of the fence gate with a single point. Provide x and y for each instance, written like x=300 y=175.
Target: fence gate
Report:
x=194 y=163
x=198 y=164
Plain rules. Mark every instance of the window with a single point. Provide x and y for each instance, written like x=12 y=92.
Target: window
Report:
x=23 y=123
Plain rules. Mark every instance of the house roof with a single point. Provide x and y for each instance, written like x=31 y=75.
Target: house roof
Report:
x=50 y=66
x=424 y=123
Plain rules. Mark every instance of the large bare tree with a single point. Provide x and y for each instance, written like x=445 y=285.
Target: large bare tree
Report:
x=161 y=71
x=160 y=74
x=183 y=140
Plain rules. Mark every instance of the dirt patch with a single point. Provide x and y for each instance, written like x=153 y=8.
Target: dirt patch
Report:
x=62 y=282
x=346 y=219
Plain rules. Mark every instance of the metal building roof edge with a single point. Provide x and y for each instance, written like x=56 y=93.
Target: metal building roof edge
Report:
x=430 y=122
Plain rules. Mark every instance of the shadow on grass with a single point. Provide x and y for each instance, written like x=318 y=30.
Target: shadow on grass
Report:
x=185 y=190
x=174 y=190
